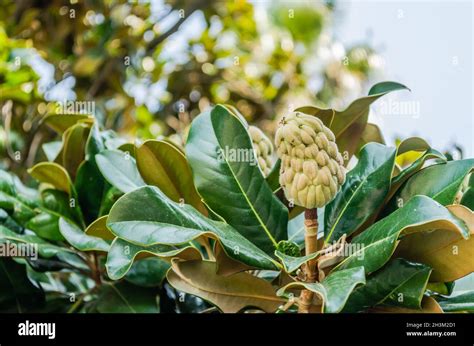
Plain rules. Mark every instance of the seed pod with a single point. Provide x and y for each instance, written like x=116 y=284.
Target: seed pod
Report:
x=264 y=149
x=312 y=168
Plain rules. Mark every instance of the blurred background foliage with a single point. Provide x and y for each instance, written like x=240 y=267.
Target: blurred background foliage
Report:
x=149 y=67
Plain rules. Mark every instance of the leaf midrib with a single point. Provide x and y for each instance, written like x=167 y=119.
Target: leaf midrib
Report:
x=262 y=224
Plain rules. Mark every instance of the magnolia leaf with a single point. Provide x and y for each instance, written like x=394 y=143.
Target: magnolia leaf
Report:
x=45 y=249
x=349 y=125
x=53 y=174
x=445 y=288
x=55 y=204
x=162 y=165
x=410 y=293
x=91 y=188
x=229 y=293
x=122 y=255
x=462 y=301
x=428 y=306
x=374 y=246
x=12 y=200
x=119 y=169
x=440 y=182
x=99 y=229
x=362 y=193
x=227 y=176
x=290 y=263
x=468 y=195
x=274 y=176
x=17 y=293
x=61 y=122
x=225 y=264
x=235 y=112
x=444 y=249
x=75 y=139
x=79 y=239
x=147 y=217
x=334 y=290
x=90 y=185
x=148 y=272
x=371 y=133
x=385 y=283
x=406 y=173
x=123 y=297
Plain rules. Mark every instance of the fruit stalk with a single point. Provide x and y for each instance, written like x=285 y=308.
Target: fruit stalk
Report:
x=311 y=246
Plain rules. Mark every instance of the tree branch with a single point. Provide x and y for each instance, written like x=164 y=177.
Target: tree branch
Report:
x=158 y=40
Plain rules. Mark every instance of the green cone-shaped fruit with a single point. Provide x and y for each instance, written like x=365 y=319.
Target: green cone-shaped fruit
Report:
x=312 y=169
x=263 y=148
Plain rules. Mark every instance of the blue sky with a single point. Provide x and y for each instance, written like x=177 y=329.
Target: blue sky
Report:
x=426 y=45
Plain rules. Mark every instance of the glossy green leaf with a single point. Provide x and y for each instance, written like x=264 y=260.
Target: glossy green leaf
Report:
x=111 y=196
x=55 y=204
x=89 y=183
x=123 y=254
x=91 y=188
x=81 y=241
x=410 y=293
x=53 y=174
x=61 y=122
x=45 y=249
x=468 y=195
x=233 y=186
x=440 y=182
x=383 y=284
x=373 y=247
x=462 y=301
x=17 y=292
x=20 y=209
x=99 y=229
x=162 y=165
x=334 y=290
x=119 y=169
x=148 y=272
x=362 y=193
x=74 y=144
x=124 y=297
x=291 y=263
x=371 y=133
x=406 y=173
x=146 y=216
x=274 y=176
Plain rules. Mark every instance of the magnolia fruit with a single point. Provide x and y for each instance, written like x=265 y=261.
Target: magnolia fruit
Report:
x=263 y=149
x=312 y=170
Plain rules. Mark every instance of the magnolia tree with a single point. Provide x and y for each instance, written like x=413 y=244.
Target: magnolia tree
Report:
x=331 y=221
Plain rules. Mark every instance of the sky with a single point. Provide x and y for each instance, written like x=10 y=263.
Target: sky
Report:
x=428 y=46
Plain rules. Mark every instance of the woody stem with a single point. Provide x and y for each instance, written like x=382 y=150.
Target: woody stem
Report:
x=311 y=246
